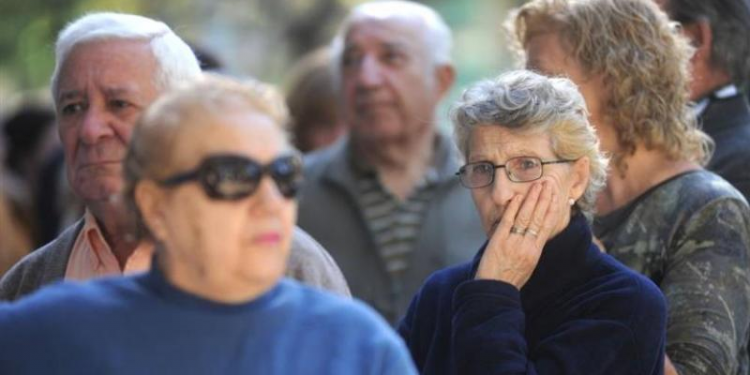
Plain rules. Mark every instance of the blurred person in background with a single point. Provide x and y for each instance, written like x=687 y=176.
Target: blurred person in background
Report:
x=109 y=68
x=213 y=181
x=30 y=139
x=14 y=239
x=313 y=99
x=660 y=213
x=382 y=199
x=720 y=66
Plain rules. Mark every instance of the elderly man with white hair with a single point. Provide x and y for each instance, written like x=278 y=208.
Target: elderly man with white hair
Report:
x=109 y=68
x=385 y=201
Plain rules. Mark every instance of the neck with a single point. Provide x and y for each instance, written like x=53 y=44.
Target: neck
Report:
x=118 y=225
x=645 y=169
x=400 y=163
x=709 y=82
x=214 y=286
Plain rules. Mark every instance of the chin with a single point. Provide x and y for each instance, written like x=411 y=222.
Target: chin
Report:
x=99 y=191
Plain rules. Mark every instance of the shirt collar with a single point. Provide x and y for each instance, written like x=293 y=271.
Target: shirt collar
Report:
x=725 y=92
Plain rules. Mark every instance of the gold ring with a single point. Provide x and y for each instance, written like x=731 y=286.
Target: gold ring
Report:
x=516 y=230
x=532 y=232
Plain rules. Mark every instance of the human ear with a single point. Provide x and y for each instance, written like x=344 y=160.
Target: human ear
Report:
x=579 y=177
x=445 y=76
x=149 y=200
x=701 y=38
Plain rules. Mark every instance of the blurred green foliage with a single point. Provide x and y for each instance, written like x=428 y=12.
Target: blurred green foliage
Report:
x=253 y=37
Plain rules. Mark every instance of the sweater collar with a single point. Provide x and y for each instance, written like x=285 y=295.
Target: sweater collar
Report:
x=563 y=262
x=157 y=283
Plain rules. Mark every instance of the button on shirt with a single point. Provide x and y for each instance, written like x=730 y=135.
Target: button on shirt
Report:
x=92 y=257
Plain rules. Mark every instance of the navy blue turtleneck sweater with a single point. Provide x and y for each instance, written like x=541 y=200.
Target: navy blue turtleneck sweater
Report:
x=581 y=312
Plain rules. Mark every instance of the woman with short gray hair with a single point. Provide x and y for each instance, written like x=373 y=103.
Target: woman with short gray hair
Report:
x=540 y=296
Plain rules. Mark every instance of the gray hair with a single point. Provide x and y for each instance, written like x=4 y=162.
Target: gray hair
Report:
x=730 y=25
x=437 y=35
x=526 y=102
x=175 y=60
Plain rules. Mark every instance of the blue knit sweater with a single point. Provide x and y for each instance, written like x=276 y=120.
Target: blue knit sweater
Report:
x=581 y=312
x=144 y=325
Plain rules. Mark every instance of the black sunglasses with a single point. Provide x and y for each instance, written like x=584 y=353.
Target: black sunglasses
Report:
x=234 y=177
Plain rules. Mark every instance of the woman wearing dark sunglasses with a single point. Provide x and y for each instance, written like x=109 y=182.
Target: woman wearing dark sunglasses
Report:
x=539 y=297
x=214 y=180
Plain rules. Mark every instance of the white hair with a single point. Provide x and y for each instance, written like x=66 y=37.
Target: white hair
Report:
x=437 y=35
x=176 y=62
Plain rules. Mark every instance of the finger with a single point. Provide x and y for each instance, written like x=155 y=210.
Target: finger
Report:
x=523 y=218
x=507 y=221
x=542 y=206
x=551 y=218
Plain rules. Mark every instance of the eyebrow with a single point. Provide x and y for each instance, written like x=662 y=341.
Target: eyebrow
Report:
x=110 y=91
x=513 y=153
x=394 y=45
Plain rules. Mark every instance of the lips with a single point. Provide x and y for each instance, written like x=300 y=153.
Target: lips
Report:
x=267 y=238
x=99 y=163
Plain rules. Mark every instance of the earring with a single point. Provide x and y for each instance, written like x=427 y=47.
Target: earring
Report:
x=571 y=201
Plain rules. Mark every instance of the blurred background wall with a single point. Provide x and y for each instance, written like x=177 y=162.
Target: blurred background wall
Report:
x=260 y=38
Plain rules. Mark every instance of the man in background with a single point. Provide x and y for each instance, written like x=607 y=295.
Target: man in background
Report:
x=382 y=199
x=109 y=68
x=719 y=31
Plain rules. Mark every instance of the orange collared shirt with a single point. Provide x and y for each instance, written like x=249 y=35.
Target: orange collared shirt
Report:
x=92 y=257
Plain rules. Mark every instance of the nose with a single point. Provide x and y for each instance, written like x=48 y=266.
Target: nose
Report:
x=94 y=125
x=268 y=198
x=370 y=72
x=503 y=189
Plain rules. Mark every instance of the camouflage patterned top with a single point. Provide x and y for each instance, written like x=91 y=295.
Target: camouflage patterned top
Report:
x=691 y=236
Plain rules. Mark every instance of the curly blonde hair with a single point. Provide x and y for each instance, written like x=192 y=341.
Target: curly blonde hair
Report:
x=644 y=63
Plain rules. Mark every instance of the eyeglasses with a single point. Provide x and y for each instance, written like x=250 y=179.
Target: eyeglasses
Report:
x=233 y=177
x=520 y=169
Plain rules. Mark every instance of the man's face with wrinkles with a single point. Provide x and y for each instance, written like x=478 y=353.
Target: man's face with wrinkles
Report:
x=103 y=87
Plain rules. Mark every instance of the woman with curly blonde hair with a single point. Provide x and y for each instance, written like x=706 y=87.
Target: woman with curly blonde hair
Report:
x=661 y=213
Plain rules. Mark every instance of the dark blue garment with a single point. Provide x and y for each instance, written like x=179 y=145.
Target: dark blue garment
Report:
x=727 y=121
x=144 y=325
x=581 y=312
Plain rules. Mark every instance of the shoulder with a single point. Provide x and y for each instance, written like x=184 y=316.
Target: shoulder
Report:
x=311 y=264
x=447 y=279
x=331 y=313
x=708 y=203
x=630 y=294
x=317 y=161
x=697 y=195
x=361 y=335
x=42 y=266
x=700 y=188
x=617 y=295
x=436 y=294
x=63 y=304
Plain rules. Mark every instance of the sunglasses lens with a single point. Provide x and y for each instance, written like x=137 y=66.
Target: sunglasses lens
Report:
x=287 y=173
x=231 y=178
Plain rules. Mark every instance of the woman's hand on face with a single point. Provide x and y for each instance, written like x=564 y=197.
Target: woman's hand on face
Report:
x=517 y=242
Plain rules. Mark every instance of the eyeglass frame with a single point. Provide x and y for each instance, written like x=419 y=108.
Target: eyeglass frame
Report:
x=495 y=167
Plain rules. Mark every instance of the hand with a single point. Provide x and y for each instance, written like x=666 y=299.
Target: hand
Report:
x=517 y=242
